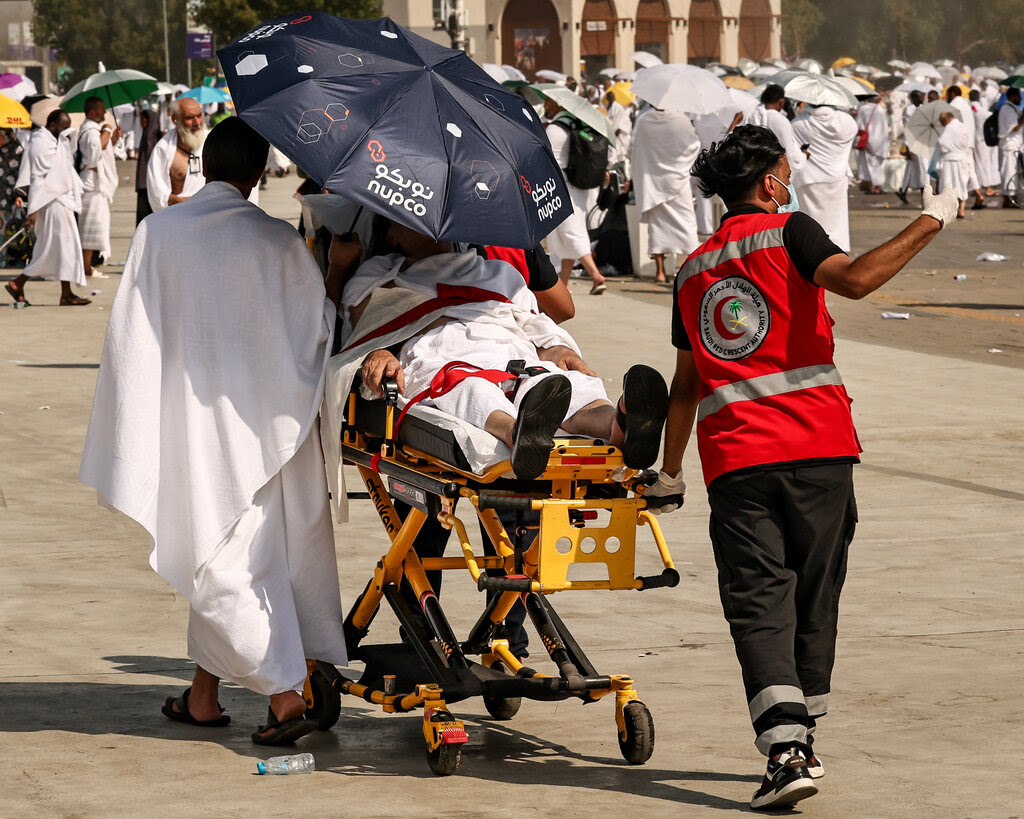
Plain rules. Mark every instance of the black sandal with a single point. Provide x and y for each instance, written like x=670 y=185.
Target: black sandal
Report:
x=540 y=415
x=283 y=733
x=182 y=714
x=17 y=295
x=645 y=397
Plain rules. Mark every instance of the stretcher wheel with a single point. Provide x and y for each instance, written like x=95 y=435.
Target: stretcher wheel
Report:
x=326 y=708
x=638 y=745
x=444 y=759
x=502 y=707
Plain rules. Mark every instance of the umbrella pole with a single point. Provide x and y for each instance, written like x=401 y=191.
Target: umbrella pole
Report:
x=347 y=237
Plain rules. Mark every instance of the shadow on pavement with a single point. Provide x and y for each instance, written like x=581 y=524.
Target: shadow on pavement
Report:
x=363 y=743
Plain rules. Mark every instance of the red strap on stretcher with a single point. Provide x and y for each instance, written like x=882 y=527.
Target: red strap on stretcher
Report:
x=444 y=381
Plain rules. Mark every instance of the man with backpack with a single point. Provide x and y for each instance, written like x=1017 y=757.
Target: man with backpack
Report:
x=1011 y=141
x=582 y=155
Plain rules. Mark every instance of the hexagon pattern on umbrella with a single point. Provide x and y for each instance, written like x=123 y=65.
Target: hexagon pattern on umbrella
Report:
x=404 y=126
x=115 y=87
x=681 y=87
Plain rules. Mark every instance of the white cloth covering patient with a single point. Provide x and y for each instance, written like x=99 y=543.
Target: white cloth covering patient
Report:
x=204 y=430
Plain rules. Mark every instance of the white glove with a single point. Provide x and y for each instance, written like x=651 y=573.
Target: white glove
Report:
x=942 y=206
x=666 y=494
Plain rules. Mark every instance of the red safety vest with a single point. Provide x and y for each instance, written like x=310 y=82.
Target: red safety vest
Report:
x=762 y=344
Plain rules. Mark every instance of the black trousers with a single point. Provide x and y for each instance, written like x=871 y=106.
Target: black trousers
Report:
x=781 y=537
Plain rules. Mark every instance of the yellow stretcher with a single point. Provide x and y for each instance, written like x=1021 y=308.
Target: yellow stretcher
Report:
x=585 y=479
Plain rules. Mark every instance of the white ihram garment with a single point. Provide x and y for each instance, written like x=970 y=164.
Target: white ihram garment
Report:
x=665 y=146
x=954 y=158
x=824 y=179
x=871 y=160
x=570 y=239
x=1011 y=142
x=158 y=172
x=203 y=430
x=99 y=184
x=779 y=124
x=916 y=174
x=55 y=194
x=986 y=157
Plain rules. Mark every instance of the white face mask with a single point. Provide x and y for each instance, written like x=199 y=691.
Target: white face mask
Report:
x=793 y=205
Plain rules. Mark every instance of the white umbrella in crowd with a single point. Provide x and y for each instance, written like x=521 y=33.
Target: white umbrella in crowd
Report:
x=575 y=105
x=645 y=59
x=923 y=127
x=925 y=71
x=681 y=87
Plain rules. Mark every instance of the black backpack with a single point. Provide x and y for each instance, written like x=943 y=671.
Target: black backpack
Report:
x=991 y=130
x=588 y=154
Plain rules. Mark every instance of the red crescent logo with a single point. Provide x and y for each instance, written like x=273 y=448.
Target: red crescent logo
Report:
x=720 y=327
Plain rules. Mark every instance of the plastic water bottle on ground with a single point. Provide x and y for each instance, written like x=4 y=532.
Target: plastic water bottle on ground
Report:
x=280 y=765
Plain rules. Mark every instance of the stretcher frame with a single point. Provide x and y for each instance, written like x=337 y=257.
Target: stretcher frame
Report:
x=431 y=667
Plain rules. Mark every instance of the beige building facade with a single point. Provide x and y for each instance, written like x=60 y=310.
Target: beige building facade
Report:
x=585 y=36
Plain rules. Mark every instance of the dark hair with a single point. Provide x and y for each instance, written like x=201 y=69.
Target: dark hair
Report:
x=1015 y=91
x=54 y=116
x=772 y=93
x=234 y=152
x=917 y=97
x=734 y=167
x=91 y=104
x=974 y=96
x=952 y=92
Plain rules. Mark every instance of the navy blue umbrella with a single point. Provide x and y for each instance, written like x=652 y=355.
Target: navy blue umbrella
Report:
x=400 y=124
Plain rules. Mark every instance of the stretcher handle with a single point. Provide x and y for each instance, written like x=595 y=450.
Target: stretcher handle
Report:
x=504 y=584
x=668 y=578
x=504 y=502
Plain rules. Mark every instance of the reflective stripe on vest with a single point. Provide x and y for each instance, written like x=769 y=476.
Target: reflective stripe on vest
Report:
x=764 y=386
x=732 y=250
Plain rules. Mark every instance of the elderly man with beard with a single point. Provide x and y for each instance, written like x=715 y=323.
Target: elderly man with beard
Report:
x=175 y=169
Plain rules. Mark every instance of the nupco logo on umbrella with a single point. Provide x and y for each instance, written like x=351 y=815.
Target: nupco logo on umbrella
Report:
x=376 y=150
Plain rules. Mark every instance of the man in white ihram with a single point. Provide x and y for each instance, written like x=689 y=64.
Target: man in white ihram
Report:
x=204 y=430
x=665 y=146
x=175 y=168
x=55 y=196
x=770 y=114
x=955 y=158
x=872 y=119
x=96 y=141
x=1011 y=142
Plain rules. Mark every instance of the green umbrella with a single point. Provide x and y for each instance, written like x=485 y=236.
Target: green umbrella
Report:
x=1016 y=81
x=575 y=105
x=117 y=87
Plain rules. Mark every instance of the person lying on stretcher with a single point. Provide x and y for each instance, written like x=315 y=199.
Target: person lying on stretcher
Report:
x=430 y=306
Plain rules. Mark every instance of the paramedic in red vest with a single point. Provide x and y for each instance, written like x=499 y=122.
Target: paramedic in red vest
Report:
x=754 y=369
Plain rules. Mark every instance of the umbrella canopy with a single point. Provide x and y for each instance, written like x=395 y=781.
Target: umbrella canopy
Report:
x=888 y=83
x=13 y=114
x=574 y=105
x=496 y=72
x=738 y=101
x=1015 y=81
x=842 y=62
x=747 y=66
x=513 y=72
x=947 y=63
x=207 y=95
x=622 y=93
x=810 y=65
x=608 y=72
x=948 y=74
x=923 y=127
x=901 y=64
x=645 y=59
x=859 y=88
x=990 y=72
x=404 y=126
x=722 y=70
x=817 y=89
x=738 y=81
x=907 y=87
x=681 y=87
x=551 y=76
x=16 y=86
x=924 y=71
x=113 y=87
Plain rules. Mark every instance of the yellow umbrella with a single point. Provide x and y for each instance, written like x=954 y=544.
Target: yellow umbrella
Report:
x=738 y=81
x=13 y=114
x=866 y=83
x=620 y=91
x=842 y=62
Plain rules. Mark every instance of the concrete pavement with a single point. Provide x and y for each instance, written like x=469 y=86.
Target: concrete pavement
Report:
x=926 y=693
